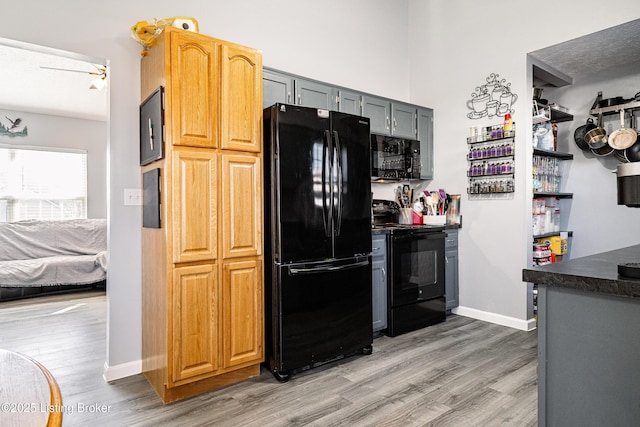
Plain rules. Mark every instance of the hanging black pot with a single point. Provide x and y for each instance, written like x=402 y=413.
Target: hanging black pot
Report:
x=580 y=133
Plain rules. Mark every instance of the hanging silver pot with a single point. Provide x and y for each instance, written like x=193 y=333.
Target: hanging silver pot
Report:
x=596 y=138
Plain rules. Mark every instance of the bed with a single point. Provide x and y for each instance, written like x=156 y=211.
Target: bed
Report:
x=47 y=256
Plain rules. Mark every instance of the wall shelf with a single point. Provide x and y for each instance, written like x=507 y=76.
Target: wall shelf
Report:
x=495 y=176
x=558 y=195
x=556 y=233
x=548 y=114
x=557 y=154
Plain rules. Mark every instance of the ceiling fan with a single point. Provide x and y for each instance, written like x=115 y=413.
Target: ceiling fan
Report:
x=98 y=83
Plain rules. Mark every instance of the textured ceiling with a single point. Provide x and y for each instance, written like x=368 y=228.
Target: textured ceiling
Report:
x=609 y=53
x=26 y=86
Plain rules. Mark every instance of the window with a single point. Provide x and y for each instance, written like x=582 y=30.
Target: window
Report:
x=42 y=183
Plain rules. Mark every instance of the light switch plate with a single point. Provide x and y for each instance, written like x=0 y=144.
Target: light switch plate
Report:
x=132 y=197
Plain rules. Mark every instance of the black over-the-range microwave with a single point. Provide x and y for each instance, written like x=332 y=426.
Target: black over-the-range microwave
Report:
x=394 y=158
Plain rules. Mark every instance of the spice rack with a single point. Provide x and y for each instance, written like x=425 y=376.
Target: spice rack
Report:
x=491 y=166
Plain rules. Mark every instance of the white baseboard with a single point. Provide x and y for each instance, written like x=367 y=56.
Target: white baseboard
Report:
x=499 y=319
x=112 y=373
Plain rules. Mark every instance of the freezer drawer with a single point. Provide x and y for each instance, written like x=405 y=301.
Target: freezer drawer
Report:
x=320 y=312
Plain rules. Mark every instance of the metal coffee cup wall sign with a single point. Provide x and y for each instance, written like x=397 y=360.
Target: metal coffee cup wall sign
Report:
x=492 y=98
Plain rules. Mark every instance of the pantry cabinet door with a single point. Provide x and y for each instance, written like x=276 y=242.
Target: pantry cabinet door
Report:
x=241 y=206
x=241 y=99
x=194 y=205
x=193 y=94
x=194 y=326
x=242 y=302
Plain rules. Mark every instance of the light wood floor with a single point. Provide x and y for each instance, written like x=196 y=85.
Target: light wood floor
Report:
x=462 y=372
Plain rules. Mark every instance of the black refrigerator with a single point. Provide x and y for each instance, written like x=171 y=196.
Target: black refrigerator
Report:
x=317 y=237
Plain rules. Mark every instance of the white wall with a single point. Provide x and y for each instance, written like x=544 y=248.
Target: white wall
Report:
x=44 y=130
x=360 y=44
x=454 y=46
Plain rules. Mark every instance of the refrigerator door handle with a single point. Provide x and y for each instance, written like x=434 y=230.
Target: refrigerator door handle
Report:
x=327 y=196
x=327 y=268
x=338 y=163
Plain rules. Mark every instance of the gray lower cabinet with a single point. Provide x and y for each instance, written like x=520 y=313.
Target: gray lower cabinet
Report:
x=451 y=272
x=425 y=136
x=379 y=282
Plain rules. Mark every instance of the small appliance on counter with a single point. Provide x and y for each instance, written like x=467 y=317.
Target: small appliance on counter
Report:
x=384 y=211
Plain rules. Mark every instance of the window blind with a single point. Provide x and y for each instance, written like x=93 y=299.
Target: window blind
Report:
x=42 y=183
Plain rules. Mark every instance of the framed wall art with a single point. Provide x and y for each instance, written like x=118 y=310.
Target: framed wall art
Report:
x=152 y=127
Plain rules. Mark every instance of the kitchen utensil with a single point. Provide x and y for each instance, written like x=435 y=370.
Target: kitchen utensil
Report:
x=429 y=200
x=597 y=137
x=581 y=132
x=622 y=138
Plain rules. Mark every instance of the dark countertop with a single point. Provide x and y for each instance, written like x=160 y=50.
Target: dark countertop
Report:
x=594 y=273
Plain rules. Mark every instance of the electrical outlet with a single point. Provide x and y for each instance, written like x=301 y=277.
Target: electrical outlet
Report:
x=132 y=197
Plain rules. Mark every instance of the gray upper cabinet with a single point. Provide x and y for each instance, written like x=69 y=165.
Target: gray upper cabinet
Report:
x=313 y=94
x=348 y=101
x=425 y=136
x=403 y=120
x=276 y=87
x=388 y=117
x=379 y=112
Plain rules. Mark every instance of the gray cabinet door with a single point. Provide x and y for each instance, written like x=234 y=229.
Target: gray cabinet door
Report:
x=379 y=282
x=403 y=120
x=348 y=101
x=425 y=136
x=379 y=112
x=451 y=269
x=312 y=94
x=379 y=295
x=276 y=87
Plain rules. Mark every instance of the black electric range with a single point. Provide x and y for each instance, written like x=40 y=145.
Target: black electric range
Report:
x=416 y=266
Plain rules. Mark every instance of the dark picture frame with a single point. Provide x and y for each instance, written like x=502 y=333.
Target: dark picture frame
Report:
x=152 y=127
x=151 y=199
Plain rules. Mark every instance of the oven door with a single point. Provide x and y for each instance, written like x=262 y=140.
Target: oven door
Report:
x=417 y=267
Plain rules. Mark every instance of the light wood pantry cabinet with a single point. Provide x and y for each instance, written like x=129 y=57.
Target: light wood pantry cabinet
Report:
x=202 y=280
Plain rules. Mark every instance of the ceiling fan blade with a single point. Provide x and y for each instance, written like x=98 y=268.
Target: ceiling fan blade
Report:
x=75 y=71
